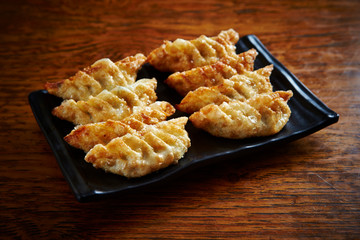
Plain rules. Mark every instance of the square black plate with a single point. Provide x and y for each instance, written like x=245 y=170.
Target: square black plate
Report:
x=309 y=115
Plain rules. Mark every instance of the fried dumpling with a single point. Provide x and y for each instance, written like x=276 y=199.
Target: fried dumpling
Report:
x=238 y=87
x=115 y=104
x=135 y=155
x=182 y=55
x=213 y=74
x=261 y=115
x=102 y=75
x=87 y=136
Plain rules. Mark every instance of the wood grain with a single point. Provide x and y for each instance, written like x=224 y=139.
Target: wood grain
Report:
x=308 y=189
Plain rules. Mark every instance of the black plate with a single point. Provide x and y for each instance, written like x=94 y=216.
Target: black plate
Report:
x=309 y=115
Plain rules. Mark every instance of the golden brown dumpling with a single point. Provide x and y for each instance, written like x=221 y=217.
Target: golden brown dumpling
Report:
x=182 y=55
x=238 y=87
x=135 y=155
x=102 y=75
x=261 y=115
x=213 y=74
x=115 y=104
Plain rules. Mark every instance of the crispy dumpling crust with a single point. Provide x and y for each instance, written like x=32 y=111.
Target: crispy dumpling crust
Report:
x=213 y=74
x=135 y=155
x=87 y=136
x=182 y=55
x=261 y=115
x=102 y=75
x=238 y=87
x=115 y=104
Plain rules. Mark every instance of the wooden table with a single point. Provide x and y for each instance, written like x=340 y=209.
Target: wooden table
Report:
x=307 y=189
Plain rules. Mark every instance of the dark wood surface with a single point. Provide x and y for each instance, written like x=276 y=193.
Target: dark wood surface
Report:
x=307 y=189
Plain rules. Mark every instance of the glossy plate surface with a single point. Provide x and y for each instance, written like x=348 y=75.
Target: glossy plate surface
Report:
x=309 y=115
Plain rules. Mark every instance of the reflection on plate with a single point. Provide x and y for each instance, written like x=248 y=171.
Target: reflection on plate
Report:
x=309 y=115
